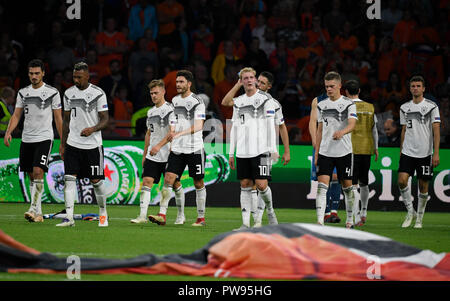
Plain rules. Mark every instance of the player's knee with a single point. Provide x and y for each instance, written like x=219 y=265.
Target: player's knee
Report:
x=38 y=173
x=245 y=183
x=147 y=181
x=199 y=184
x=261 y=186
x=169 y=178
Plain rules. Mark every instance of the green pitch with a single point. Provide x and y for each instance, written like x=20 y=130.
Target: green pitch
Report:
x=125 y=240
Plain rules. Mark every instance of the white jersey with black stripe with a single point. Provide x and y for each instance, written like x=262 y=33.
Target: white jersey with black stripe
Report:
x=84 y=106
x=418 y=118
x=186 y=111
x=158 y=123
x=253 y=131
x=334 y=116
x=38 y=105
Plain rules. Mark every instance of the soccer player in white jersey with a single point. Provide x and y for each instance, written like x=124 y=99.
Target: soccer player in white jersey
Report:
x=85 y=115
x=156 y=153
x=186 y=147
x=252 y=137
x=419 y=147
x=337 y=118
x=264 y=83
x=39 y=102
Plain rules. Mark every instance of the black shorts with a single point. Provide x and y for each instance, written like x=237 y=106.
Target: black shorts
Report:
x=361 y=167
x=85 y=163
x=255 y=168
x=35 y=155
x=153 y=170
x=344 y=166
x=422 y=166
x=195 y=161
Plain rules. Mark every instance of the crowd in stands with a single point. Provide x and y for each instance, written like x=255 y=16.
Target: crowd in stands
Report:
x=127 y=43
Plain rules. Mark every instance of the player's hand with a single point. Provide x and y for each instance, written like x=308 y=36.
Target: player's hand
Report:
x=435 y=160
x=61 y=151
x=376 y=155
x=87 y=132
x=286 y=158
x=171 y=136
x=231 y=161
x=7 y=139
x=338 y=135
x=154 y=150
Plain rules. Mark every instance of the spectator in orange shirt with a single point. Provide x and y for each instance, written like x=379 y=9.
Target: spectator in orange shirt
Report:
x=111 y=44
x=222 y=88
x=425 y=33
x=170 y=83
x=404 y=30
x=386 y=60
x=346 y=41
x=239 y=49
x=203 y=39
x=123 y=108
x=317 y=36
x=221 y=60
x=280 y=59
x=167 y=11
x=96 y=71
x=152 y=46
x=394 y=87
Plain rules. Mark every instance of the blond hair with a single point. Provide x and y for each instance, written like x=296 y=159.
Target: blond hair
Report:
x=156 y=83
x=247 y=69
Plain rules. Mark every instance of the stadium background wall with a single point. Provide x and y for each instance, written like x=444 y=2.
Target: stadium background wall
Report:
x=291 y=185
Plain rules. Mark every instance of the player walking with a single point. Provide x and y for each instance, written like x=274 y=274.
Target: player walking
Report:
x=39 y=101
x=364 y=144
x=253 y=139
x=85 y=115
x=337 y=118
x=156 y=152
x=186 y=148
x=419 y=147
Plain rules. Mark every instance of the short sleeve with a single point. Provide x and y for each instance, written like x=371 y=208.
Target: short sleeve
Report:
x=102 y=103
x=435 y=116
x=66 y=103
x=56 y=101
x=402 y=117
x=352 y=112
x=200 y=112
x=319 y=115
x=19 y=101
x=269 y=109
x=172 y=118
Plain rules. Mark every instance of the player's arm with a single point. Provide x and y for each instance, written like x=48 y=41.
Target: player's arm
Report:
x=233 y=140
x=402 y=137
x=103 y=117
x=285 y=139
x=318 y=140
x=12 y=124
x=228 y=101
x=65 y=133
x=436 y=142
x=163 y=142
x=313 y=122
x=375 y=137
x=57 y=115
x=348 y=129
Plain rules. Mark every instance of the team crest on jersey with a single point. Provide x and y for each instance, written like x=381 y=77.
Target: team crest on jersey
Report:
x=88 y=96
x=44 y=94
x=340 y=107
x=423 y=110
x=188 y=105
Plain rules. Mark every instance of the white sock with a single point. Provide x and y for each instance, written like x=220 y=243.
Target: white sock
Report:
x=254 y=207
x=246 y=204
x=36 y=195
x=200 y=200
x=31 y=209
x=145 y=200
x=349 y=200
x=357 y=197
x=406 y=195
x=166 y=194
x=261 y=207
x=364 y=196
x=422 y=203
x=321 y=202
x=179 y=200
x=266 y=196
x=100 y=195
x=70 y=194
